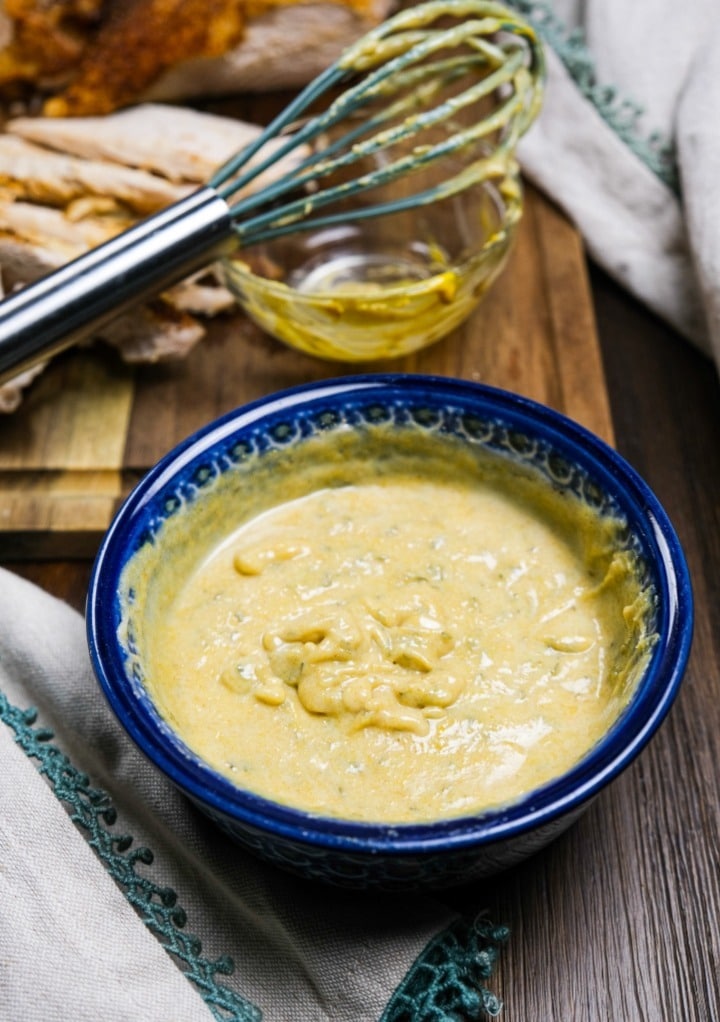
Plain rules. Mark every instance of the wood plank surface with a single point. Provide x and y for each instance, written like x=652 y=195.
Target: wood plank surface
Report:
x=619 y=920
x=91 y=425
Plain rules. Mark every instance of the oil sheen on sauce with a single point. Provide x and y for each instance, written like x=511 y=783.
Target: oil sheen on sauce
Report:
x=401 y=645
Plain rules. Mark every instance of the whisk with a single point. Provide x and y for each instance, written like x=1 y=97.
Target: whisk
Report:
x=424 y=67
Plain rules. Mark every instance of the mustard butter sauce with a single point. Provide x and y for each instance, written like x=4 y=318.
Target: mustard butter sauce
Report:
x=399 y=639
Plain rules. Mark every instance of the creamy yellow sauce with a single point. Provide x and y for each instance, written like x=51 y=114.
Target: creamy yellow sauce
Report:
x=428 y=639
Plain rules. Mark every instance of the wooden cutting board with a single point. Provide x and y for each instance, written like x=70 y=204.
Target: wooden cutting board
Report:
x=91 y=426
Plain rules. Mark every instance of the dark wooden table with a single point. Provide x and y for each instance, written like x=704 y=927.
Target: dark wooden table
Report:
x=619 y=920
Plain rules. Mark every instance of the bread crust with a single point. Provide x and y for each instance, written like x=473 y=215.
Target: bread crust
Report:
x=88 y=57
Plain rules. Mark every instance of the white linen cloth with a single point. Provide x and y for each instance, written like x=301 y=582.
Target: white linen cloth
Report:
x=628 y=144
x=72 y=947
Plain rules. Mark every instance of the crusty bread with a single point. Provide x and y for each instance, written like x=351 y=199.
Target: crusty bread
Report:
x=69 y=184
x=66 y=184
x=283 y=48
x=94 y=56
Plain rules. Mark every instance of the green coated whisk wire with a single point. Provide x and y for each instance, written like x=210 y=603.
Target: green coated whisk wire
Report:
x=398 y=55
x=378 y=82
x=274 y=224
x=354 y=146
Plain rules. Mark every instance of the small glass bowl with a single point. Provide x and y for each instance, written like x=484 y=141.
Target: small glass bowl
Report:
x=404 y=203
x=383 y=287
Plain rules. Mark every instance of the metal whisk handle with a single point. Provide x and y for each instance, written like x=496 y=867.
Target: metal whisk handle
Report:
x=70 y=304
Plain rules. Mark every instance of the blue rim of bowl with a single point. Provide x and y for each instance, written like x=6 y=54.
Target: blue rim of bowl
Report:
x=605 y=761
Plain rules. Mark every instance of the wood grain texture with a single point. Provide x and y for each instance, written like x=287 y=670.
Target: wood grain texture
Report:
x=90 y=425
x=620 y=919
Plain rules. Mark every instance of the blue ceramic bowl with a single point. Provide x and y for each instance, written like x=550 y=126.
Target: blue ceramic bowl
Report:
x=360 y=855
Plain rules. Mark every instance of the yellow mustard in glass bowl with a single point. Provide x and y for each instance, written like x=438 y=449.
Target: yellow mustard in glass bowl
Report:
x=401 y=261
x=381 y=288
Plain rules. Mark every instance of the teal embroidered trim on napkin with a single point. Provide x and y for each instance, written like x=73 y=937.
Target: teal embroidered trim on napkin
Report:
x=620 y=113
x=92 y=810
x=445 y=982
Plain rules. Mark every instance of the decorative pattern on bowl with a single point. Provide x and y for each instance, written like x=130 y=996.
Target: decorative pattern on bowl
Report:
x=404 y=856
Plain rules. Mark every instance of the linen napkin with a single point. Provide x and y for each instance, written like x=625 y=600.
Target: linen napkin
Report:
x=119 y=901
x=628 y=144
